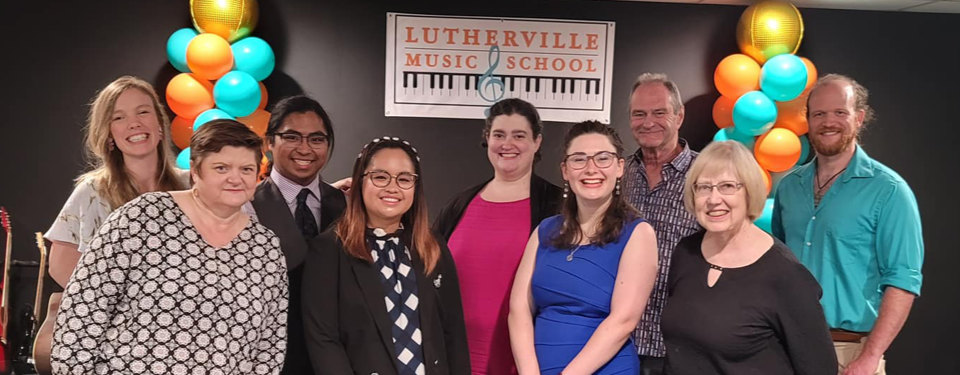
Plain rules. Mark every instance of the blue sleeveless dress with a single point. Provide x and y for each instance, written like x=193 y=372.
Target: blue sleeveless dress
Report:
x=573 y=297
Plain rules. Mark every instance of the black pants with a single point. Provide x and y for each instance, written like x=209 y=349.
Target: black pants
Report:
x=651 y=365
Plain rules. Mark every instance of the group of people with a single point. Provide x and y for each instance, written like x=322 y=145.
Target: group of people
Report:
x=648 y=263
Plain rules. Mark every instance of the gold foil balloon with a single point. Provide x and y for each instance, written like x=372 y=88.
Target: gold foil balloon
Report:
x=230 y=19
x=769 y=28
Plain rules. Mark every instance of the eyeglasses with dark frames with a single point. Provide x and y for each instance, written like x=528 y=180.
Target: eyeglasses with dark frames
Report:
x=602 y=159
x=382 y=179
x=292 y=138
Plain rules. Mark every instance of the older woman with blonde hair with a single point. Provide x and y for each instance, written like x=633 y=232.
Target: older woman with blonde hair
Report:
x=128 y=147
x=738 y=301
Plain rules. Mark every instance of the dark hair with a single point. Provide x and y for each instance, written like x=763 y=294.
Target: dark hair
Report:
x=514 y=106
x=352 y=226
x=215 y=135
x=618 y=212
x=298 y=104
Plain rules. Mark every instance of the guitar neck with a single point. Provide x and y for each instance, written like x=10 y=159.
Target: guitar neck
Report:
x=4 y=301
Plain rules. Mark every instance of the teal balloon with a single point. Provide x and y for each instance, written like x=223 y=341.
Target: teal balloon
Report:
x=237 y=93
x=783 y=77
x=765 y=221
x=254 y=56
x=210 y=115
x=754 y=113
x=183 y=159
x=177 y=48
x=731 y=134
x=804 y=150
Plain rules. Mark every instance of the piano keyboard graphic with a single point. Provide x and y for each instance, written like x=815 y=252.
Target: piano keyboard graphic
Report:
x=461 y=89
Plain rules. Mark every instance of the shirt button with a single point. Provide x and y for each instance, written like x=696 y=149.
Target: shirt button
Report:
x=808 y=244
x=813 y=218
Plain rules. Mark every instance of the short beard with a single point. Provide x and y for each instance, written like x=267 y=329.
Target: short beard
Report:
x=846 y=140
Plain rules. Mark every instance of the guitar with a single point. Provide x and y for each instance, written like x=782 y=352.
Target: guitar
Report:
x=25 y=356
x=44 y=335
x=5 y=298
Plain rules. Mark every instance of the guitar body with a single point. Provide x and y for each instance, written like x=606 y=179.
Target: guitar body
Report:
x=43 y=345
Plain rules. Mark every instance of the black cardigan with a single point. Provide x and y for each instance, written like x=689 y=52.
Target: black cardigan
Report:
x=347 y=328
x=544 y=202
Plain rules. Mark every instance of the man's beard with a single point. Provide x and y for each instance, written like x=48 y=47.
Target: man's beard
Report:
x=846 y=140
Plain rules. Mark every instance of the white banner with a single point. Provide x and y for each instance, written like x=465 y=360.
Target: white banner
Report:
x=456 y=67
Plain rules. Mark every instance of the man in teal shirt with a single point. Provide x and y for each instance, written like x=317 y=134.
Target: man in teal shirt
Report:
x=854 y=223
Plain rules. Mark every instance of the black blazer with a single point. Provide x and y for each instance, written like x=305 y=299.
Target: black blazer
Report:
x=273 y=212
x=544 y=202
x=348 y=330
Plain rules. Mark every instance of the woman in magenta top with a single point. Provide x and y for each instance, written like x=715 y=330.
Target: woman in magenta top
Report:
x=488 y=225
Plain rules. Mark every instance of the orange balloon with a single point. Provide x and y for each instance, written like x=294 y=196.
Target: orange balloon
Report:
x=767 y=180
x=257 y=121
x=811 y=72
x=188 y=95
x=180 y=130
x=209 y=56
x=736 y=75
x=263 y=97
x=792 y=114
x=777 y=150
x=723 y=112
x=264 y=164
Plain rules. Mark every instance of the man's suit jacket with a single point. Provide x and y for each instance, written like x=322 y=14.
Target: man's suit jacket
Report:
x=273 y=212
x=348 y=329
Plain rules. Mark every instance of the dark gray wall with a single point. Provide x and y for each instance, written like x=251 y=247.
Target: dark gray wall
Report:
x=55 y=56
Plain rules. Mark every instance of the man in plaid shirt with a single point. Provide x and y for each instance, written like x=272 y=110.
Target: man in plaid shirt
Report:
x=653 y=183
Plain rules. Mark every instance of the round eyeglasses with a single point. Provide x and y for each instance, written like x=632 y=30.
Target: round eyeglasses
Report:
x=724 y=187
x=602 y=159
x=381 y=179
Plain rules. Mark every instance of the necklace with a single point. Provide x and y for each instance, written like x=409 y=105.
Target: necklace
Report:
x=824 y=185
x=574 y=251
x=229 y=220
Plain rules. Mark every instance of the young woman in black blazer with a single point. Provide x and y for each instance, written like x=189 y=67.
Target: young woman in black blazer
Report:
x=380 y=293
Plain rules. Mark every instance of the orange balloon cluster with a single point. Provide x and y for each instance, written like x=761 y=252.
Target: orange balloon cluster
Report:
x=188 y=95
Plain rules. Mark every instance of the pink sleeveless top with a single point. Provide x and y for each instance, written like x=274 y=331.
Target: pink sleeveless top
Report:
x=487 y=246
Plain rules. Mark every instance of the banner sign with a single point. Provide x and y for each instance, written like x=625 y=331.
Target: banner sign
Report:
x=456 y=67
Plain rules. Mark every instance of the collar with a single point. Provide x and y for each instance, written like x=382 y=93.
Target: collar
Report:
x=860 y=165
x=290 y=189
x=680 y=162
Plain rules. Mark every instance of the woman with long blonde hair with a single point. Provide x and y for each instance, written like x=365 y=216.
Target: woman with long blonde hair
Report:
x=127 y=142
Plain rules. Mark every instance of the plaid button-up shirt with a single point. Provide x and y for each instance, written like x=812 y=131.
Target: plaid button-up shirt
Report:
x=662 y=207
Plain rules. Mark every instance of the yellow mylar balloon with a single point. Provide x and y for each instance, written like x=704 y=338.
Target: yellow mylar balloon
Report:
x=769 y=28
x=230 y=19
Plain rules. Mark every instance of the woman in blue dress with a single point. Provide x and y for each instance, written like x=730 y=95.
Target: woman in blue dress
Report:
x=586 y=274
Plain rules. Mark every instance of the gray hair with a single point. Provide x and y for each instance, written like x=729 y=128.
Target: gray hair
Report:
x=661 y=78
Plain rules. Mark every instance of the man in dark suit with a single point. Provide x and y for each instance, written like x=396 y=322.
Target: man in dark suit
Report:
x=295 y=203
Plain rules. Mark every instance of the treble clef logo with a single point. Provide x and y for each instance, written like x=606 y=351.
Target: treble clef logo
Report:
x=489 y=87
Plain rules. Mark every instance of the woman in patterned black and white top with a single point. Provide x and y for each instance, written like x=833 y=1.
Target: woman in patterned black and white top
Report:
x=181 y=282
x=380 y=292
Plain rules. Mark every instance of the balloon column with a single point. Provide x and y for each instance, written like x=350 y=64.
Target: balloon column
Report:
x=221 y=68
x=763 y=91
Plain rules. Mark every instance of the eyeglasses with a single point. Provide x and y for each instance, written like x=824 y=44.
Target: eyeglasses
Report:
x=314 y=140
x=724 y=187
x=381 y=179
x=601 y=159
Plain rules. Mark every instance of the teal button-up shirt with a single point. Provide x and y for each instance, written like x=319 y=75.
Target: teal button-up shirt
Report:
x=864 y=236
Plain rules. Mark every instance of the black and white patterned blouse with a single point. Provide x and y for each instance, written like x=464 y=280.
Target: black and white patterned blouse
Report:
x=150 y=296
